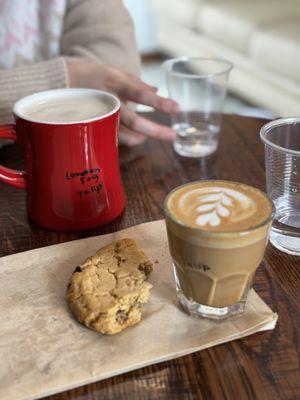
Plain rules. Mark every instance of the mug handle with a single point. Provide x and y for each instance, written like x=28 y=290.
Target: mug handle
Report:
x=11 y=176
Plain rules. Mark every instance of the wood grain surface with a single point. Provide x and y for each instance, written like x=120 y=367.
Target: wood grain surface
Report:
x=262 y=366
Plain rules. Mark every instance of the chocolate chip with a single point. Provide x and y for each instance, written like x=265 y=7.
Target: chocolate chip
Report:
x=121 y=316
x=146 y=267
x=78 y=269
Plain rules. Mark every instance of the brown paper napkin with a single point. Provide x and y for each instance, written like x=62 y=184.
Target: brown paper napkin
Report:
x=43 y=350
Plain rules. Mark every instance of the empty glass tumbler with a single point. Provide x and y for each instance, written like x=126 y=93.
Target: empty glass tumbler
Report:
x=199 y=87
x=282 y=151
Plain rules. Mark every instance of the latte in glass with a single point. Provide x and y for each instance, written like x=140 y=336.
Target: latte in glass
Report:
x=217 y=232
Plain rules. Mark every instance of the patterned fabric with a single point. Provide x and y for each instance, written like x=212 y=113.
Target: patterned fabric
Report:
x=30 y=30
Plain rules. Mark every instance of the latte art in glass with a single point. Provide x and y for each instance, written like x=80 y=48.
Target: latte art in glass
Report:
x=221 y=205
x=211 y=205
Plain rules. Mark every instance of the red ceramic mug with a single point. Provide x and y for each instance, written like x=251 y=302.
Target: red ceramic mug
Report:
x=71 y=175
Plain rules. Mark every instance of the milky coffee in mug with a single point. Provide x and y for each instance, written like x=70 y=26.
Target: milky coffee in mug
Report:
x=217 y=232
x=68 y=108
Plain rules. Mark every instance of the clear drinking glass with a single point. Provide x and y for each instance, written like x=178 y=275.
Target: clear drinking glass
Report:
x=282 y=154
x=199 y=86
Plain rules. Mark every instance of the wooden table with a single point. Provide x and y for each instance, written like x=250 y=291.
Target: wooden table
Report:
x=262 y=366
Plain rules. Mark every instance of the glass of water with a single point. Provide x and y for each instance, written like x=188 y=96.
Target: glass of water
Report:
x=199 y=87
x=282 y=151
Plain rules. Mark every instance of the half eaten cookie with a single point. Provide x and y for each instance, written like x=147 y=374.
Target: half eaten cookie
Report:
x=107 y=291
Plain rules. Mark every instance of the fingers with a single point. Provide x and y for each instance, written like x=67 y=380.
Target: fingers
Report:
x=154 y=89
x=129 y=137
x=132 y=88
x=143 y=126
x=142 y=95
x=138 y=82
x=143 y=85
x=119 y=82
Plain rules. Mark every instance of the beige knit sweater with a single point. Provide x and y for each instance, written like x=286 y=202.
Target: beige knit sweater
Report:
x=96 y=30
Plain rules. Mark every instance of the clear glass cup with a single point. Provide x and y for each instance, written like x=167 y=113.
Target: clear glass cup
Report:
x=282 y=156
x=214 y=270
x=199 y=86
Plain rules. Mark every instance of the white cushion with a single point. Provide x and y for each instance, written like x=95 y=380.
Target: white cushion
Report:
x=234 y=22
x=278 y=49
x=183 y=12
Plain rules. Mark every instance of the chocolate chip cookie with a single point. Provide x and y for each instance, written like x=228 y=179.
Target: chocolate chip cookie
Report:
x=107 y=291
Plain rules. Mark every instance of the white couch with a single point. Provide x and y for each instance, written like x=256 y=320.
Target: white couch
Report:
x=261 y=37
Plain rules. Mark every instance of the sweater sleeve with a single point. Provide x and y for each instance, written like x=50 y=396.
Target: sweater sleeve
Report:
x=22 y=81
x=95 y=30
x=100 y=31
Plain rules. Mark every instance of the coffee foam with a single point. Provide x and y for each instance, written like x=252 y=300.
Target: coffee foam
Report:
x=68 y=108
x=213 y=204
x=219 y=206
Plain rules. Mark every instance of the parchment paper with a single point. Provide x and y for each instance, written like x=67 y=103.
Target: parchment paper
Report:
x=44 y=350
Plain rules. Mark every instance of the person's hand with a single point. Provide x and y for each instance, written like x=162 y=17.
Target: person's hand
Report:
x=134 y=129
